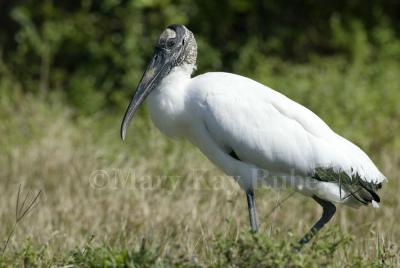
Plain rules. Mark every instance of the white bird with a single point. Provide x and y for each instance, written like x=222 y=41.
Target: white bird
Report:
x=252 y=132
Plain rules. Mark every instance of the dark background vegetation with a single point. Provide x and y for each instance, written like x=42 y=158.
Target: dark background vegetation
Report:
x=67 y=72
x=95 y=51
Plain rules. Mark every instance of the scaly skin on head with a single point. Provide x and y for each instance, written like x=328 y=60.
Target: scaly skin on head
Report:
x=191 y=48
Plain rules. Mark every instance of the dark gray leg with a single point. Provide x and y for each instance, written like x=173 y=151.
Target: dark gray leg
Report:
x=252 y=210
x=329 y=210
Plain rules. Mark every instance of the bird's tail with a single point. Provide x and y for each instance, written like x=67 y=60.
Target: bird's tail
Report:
x=361 y=190
x=365 y=193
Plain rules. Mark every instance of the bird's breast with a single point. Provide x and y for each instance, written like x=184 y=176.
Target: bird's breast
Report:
x=167 y=108
x=165 y=117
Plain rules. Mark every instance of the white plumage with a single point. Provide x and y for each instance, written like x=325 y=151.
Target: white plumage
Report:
x=223 y=112
x=252 y=132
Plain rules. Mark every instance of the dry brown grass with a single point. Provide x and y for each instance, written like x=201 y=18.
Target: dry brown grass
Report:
x=176 y=197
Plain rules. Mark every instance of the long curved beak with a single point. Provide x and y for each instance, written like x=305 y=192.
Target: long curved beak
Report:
x=159 y=66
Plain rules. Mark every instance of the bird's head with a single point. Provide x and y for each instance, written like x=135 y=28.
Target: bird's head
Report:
x=175 y=47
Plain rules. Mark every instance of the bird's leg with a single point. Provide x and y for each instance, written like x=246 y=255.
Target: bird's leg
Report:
x=329 y=210
x=252 y=210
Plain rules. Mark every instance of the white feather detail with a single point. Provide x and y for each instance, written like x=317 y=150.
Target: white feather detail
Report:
x=375 y=204
x=222 y=112
x=270 y=131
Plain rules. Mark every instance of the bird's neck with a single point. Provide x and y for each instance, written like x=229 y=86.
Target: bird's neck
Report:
x=167 y=100
x=184 y=69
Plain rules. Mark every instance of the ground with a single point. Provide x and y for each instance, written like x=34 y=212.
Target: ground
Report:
x=151 y=201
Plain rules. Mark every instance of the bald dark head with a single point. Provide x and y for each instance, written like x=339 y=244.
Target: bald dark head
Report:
x=179 y=38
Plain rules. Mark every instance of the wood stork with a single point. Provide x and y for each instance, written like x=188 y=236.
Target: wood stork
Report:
x=252 y=132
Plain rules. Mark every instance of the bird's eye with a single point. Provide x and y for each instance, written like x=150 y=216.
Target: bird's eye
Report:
x=170 y=43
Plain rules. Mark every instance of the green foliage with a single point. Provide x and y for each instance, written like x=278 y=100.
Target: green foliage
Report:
x=104 y=256
x=248 y=250
x=95 y=51
x=261 y=251
x=94 y=54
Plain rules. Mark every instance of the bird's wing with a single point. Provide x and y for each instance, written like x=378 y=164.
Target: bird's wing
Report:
x=266 y=129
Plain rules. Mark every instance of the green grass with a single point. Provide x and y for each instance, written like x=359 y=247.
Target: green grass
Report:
x=332 y=248
x=245 y=250
x=161 y=203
